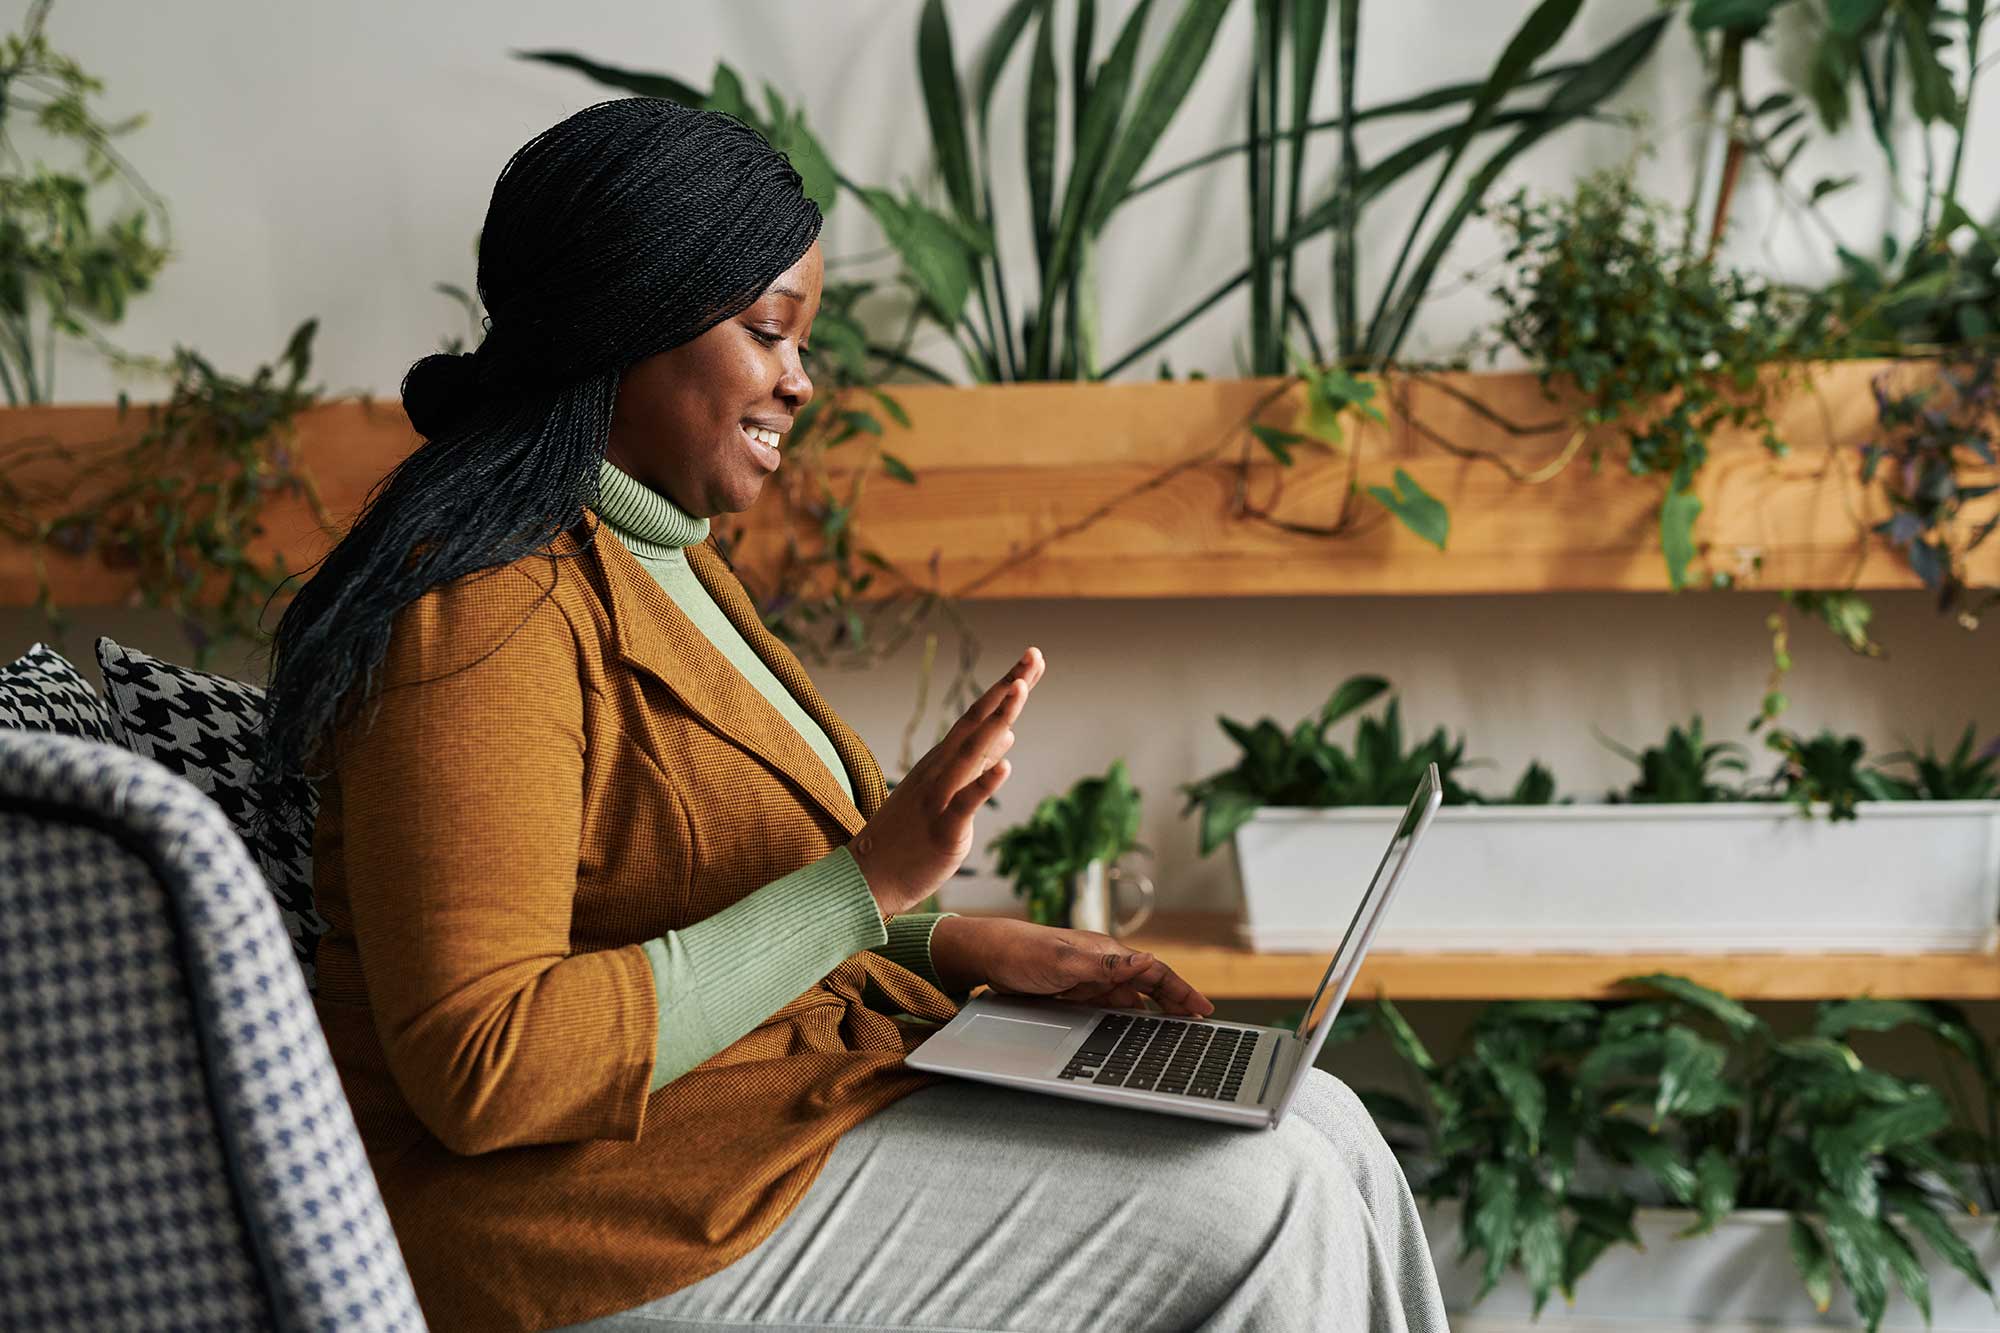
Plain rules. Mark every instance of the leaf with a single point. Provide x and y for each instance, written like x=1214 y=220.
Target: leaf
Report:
x=898 y=469
x=1714 y=1190
x=1541 y=1245
x=1039 y=146
x=1858 y=1248
x=993 y=57
x=1815 y=1267
x=817 y=177
x=892 y=407
x=1490 y=1217
x=1404 y=1038
x=944 y=106
x=1279 y=442
x=1690 y=1075
x=934 y=253
x=634 y=81
x=1850 y=18
x=1830 y=185
x=1740 y=1021
x=1908 y=1268
x=1914 y=1208
x=1745 y=16
x=1677 y=516
x=1093 y=142
x=1221 y=815
x=1347 y=697
x=1166 y=87
x=1419 y=510
x=1518 y=1083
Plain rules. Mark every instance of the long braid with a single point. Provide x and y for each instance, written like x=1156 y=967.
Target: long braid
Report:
x=629 y=228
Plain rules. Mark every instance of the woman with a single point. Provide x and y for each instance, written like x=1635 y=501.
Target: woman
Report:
x=618 y=907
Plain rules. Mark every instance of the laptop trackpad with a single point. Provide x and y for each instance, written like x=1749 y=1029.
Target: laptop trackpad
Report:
x=1015 y=1042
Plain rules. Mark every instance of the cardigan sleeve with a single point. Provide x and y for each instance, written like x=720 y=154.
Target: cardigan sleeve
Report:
x=463 y=819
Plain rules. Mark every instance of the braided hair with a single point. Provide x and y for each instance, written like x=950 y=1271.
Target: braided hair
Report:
x=631 y=227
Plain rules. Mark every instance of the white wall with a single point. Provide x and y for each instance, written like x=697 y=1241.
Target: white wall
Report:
x=335 y=160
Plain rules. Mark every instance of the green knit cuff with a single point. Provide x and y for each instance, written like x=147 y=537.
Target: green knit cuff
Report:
x=909 y=943
x=722 y=976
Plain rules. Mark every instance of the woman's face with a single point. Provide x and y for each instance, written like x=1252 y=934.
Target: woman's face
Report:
x=684 y=420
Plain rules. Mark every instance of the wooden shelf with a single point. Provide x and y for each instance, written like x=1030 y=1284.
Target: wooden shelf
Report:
x=1200 y=947
x=1004 y=468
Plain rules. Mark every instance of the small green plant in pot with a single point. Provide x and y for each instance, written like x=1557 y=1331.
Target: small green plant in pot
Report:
x=1301 y=767
x=1829 y=769
x=1683 y=769
x=1097 y=819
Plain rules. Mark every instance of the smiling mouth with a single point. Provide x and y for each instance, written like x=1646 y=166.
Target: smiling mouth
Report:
x=763 y=446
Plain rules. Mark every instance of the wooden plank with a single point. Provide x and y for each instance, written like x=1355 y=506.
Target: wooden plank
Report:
x=348 y=446
x=1002 y=468
x=1200 y=946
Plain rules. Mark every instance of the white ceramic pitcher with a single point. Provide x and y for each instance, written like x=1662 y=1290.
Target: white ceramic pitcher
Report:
x=1091 y=891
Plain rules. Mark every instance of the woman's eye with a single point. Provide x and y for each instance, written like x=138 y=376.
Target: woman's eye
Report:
x=768 y=339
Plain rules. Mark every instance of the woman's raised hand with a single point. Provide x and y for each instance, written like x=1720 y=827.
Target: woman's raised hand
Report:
x=923 y=832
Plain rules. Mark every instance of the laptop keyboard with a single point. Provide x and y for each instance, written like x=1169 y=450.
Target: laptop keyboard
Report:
x=1164 y=1055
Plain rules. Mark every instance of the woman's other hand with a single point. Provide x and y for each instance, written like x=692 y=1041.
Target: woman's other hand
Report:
x=923 y=832
x=1081 y=966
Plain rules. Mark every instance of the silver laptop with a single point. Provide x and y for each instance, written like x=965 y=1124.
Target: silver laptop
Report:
x=1233 y=1072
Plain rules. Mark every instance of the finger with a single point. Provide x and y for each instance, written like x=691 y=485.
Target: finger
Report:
x=1166 y=986
x=1028 y=668
x=992 y=753
x=977 y=750
x=978 y=791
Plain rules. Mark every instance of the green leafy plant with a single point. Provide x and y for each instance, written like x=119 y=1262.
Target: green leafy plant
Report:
x=1828 y=768
x=1559 y=1118
x=1303 y=768
x=1686 y=768
x=1667 y=346
x=61 y=270
x=180 y=506
x=1966 y=774
x=1097 y=819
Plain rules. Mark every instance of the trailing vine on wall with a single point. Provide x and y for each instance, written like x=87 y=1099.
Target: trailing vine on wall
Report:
x=181 y=505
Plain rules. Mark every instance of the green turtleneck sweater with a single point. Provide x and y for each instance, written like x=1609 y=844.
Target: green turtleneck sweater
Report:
x=722 y=976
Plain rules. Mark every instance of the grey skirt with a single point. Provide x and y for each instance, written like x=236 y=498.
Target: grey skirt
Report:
x=964 y=1207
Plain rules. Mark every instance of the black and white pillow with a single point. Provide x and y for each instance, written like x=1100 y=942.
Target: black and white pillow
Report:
x=41 y=690
x=204 y=727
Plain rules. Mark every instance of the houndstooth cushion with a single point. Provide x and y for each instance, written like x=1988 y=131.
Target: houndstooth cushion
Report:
x=128 y=1115
x=41 y=690
x=202 y=726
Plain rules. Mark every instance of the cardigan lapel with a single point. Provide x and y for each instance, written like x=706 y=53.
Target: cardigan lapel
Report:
x=654 y=635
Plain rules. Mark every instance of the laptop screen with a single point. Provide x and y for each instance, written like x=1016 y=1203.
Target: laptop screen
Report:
x=1347 y=958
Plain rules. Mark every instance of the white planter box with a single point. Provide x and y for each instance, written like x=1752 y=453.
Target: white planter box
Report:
x=1906 y=877
x=1740 y=1273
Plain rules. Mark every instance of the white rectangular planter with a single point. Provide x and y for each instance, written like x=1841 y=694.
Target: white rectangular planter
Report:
x=1905 y=877
x=1741 y=1273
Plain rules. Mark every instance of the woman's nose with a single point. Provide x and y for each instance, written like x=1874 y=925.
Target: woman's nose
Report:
x=795 y=386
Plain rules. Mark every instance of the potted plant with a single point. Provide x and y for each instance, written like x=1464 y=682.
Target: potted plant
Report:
x=1063 y=858
x=1670 y=1157
x=1827 y=854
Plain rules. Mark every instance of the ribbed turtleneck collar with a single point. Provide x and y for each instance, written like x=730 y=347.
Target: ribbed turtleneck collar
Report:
x=648 y=521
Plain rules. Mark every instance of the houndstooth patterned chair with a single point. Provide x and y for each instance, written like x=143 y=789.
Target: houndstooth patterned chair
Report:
x=175 y=1148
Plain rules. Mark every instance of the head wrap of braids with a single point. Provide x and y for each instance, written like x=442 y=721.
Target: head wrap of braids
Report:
x=632 y=227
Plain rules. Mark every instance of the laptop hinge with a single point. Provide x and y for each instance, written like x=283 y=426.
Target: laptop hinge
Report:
x=1287 y=1052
